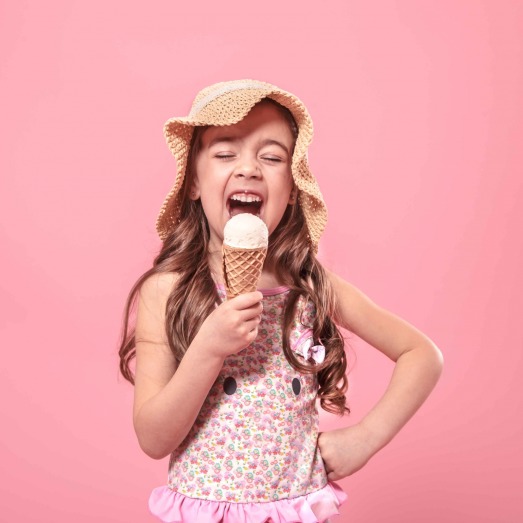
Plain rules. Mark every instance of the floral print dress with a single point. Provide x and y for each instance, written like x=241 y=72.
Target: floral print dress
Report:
x=252 y=454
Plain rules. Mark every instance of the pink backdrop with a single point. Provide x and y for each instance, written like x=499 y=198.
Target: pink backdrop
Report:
x=419 y=121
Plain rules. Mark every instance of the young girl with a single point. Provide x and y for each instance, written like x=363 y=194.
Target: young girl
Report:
x=228 y=388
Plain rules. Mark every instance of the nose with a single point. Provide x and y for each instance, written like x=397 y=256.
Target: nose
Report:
x=247 y=168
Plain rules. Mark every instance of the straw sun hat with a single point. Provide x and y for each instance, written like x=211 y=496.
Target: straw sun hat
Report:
x=226 y=103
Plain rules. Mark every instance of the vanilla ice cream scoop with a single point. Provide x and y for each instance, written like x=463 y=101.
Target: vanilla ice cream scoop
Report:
x=245 y=241
x=246 y=231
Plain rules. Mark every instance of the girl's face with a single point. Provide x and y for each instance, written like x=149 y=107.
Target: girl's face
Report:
x=245 y=167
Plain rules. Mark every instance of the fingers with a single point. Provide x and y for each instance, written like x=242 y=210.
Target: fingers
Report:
x=246 y=301
x=249 y=305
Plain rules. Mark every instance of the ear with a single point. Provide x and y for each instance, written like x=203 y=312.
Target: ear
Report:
x=194 y=193
x=293 y=196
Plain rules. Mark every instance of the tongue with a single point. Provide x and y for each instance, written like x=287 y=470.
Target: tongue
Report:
x=242 y=207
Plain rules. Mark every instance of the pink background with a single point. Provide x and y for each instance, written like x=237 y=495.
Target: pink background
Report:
x=418 y=111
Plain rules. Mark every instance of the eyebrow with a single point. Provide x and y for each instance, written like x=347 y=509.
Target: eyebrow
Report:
x=229 y=139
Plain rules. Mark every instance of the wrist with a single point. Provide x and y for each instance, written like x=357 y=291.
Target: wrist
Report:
x=374 y=436
x=202 y=353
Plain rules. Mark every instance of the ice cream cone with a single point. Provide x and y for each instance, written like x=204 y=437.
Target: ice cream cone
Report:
x=242 y=269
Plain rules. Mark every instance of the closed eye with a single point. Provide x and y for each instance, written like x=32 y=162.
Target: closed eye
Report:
x=224 y=156
x=274 y=159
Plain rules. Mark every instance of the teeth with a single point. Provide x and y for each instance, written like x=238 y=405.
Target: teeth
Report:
x=246 y=198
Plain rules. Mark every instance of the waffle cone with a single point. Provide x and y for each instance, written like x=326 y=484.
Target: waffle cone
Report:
x=242 y=269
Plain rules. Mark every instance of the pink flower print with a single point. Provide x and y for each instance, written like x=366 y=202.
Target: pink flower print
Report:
x=258 y=480
x=239 y=484
x=252 y=465
x=277 y=473
x=218 y=493
x=268 y=475
x=267 y=382
x=220 y=441
x=204 y=469
x=268 y=436
x=193 y=460
x=216 y=478
x=228 y=465
x=239 y=472
x=220 y=454
x=262 y=357
x=230 y=497
x=239 y=456
x=206 y=491
x=230 y=448
x=260 y=493
x=272 y=394
x=228 y=476
x=249 y=476
x=217 y=467
x=264 y=464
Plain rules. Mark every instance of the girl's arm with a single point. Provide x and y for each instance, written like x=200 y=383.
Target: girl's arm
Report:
x=418 y=367
x=167 y=399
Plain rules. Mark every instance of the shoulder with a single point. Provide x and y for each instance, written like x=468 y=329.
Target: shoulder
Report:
x=354 y=309
x=158 y=285
x=349 y=300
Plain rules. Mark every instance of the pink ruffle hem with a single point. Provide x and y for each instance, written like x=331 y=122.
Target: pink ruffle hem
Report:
x=316 y=507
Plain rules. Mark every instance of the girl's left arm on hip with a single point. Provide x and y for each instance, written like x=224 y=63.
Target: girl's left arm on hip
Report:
x=418 y=365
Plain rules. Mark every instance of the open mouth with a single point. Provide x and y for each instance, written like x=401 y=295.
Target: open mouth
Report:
x=244 y=202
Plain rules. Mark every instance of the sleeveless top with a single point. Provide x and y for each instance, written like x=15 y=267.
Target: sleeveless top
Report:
x=252 y=452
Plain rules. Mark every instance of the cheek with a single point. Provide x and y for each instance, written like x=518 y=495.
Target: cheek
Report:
x=286 y=183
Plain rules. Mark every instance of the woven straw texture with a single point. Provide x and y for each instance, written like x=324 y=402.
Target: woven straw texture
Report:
x=227 y=103
x=242 y=269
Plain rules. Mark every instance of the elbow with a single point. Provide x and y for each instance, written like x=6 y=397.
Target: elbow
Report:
x=154 y=450
x=151 y=441
x=435 y=356
x=155 y=453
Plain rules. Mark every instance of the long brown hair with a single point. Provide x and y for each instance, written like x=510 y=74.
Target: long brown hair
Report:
x=184 y=252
